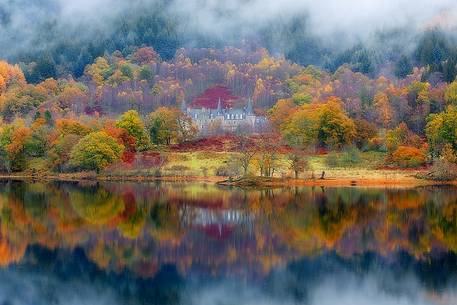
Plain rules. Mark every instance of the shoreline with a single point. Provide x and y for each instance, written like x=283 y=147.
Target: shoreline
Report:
x=245 y=182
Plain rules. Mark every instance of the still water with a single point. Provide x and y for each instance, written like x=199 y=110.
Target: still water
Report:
x=152 y=243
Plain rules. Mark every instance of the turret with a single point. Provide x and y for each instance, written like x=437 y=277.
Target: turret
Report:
x=249 y=109
x=219 y=106
x=184 y=106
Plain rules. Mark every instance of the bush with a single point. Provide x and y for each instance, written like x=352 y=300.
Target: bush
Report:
x=38 y=165
x=347 y=158
x=178 y=170
x=377 y=144
x=332 y=160
x=350 y=157
x=408 y=157
x=443 y=170
x=229 y=169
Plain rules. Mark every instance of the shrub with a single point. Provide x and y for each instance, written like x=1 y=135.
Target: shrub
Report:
x=377 y=144
x=408 y=157
x=38 y=165
x=348 y=158
x=443 y=170
x=230 y=168
x=178 y=170
x=332 y=160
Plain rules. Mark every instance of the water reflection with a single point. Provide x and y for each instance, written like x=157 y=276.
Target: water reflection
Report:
x=155 y=243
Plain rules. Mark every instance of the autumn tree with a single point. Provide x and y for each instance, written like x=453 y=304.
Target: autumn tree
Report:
x=267 y=154
x=167 y=125
x=442 y=129
x=60 y=151
x=384 y=110
x=281 y=112
x=322 y=124
x=450 y=94
x=13 y=139
x=95 y=151
x=133 y=124
x=364 y=132
x=401 y=136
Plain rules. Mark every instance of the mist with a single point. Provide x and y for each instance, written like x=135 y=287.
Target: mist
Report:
x=305 y=31
x=353 y=18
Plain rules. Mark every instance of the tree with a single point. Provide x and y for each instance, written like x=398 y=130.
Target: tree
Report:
x=246 y=151
x=267 y=154
x=60 y=151
x=403 y=67
x=48 y=118
x=186 y=127
x=167 y=125
x=44 y=68
x=441 y=129
x=145 y=73
x=385 y=112
x=13 y=139
x=132 y=123
x=281 y=111
x=297 y=161
x=401 y=136
x=450 y=94
x=36 y=145
x=145 y=56
x=95 y=151
x=406 y=156
x=336 y=129
x=71 y=126
x=322 y=124
x=365 y=131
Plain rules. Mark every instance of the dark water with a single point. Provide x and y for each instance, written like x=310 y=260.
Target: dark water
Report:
x=112 y=243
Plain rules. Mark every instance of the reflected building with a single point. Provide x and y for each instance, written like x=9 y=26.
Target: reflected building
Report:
x=218 y=223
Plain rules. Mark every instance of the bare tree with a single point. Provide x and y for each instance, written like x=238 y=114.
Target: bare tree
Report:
x=298 y=162
x=246 y=149
x=268 y=154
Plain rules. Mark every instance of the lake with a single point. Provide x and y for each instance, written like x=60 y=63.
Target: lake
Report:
x=184 y=243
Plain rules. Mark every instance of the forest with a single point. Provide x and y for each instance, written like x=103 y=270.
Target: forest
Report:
x=124 y=108
x=108 y=99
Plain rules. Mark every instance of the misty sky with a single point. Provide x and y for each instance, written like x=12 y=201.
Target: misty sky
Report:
x=219 y=17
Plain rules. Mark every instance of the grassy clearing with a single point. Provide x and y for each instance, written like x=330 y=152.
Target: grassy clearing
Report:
x=206 y=163
x=197 y=163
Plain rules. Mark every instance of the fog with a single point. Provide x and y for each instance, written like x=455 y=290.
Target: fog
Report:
x=327 y=17
x=335 y=21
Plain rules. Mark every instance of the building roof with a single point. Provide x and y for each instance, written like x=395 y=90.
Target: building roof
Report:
x=210 y=98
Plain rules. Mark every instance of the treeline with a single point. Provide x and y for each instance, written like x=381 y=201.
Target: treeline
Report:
x=87 y=143
x=412 y=120
x=143 y=81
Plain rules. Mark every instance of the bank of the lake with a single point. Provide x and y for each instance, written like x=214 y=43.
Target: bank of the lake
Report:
x=332 y=177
